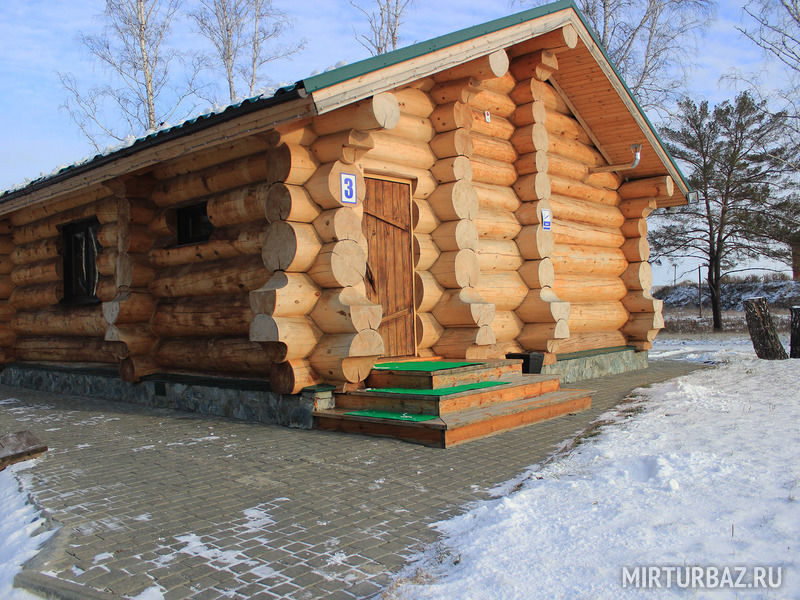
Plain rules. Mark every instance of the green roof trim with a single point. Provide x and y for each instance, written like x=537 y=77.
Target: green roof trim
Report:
x=375 y=63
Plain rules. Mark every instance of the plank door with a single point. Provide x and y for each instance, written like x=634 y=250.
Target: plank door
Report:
x=390 y=268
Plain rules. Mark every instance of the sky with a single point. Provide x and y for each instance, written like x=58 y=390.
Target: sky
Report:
x=41 y=38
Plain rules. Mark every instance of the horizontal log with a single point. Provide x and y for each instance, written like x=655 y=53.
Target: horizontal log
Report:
x=455 y=341
x=425 y=252
x=489 y=66
x=457 y=269
x=496 y=224
x=571 y=232
x=596 y=316
x=495 y=197
x=299 y=335
x=589 y=288
x=242 y=205
x=133 y=368
x=414 y=101
x=532 y=187
x=640 y=301
x=635 y=227
x=6 y=286
x=206 y=316
x=225 y=176
x=455 y=200
x=543 y=336
x=534 y=242
x=41 y=272
x=583 y=211
x=423 y=219
x=457 y=142
x=453 y=168
x=211 y=250
x=164 y=224
x=427 y=291
x=131 y=209
x=542 y=306
x=61 y=320
x=106 y=261
x=290 y=246
x=575 y=150
x=7 y=312
x=133 y=340
x=389 y=147
x=456 y=235
x=454 y=115
x=346 y=310
x=380 y=111
x=193 y=162
x=133 y=271
x=291 y=376
x=6 y=265
x=455 y=90
x=506 y=326
x=493 y=172
x=345 y=146
x=36 y=251
x=651 y=187
x=499 y=255
x=504 y=289
x=7 y=339
x=531 y=138
x=66 y=349
x=566 y=168
x=135 y=307
x=223 y=355
x=463 y=308
x=526 y=114
x=532 y=162
x=495 y=102
x=290 y=163
x=343 y=223
x=638 y=276
x=502 y=85
x=572 y=259
x=537 y=273
x=325 y=185
x=35 y=296
x=133 y=238
x=529 y=90
x=538 y=64
x=637 y=208
x=49 y=227
x=329 y=357
x=496 y=126
x=418 y=129
x=216 y=278
x=428 y=330
x=339 y=264
x=63 y=204
x=559 y=40
x=285 y=295
x=643 y=326
x=581 y=342
x=289 y=203
x=6 y=245
x=423 y=183
x=576 y=189
x=565 y=126
x=492 y=148
x=636 y=249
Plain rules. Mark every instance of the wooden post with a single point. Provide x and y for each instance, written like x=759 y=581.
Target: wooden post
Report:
x=762 y=330
x=795 y=340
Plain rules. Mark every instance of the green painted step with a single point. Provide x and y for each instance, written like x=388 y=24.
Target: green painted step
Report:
x=427 y=366
x=438 y=391
x=384 y=414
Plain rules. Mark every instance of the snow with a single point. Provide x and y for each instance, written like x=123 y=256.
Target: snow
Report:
x=19 y=525
x=701 y=470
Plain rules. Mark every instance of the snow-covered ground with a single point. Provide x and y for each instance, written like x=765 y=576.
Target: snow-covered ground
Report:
x=19 y=522
x=699 y=473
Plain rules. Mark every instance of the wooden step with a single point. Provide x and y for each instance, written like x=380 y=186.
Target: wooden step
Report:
x=461 y=426
x=484 y=371
x=514 y=387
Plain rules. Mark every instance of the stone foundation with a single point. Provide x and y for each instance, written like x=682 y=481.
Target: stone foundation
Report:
x=244 y=399
x=585 y=365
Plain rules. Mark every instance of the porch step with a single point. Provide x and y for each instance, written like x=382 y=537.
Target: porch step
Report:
x=442 y=401
x=462 y=425
x=428 y=375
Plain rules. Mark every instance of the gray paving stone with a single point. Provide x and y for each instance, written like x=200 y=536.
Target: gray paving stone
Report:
x=294 y=514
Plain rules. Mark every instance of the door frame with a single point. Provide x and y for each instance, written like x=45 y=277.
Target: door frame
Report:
x=411 y=185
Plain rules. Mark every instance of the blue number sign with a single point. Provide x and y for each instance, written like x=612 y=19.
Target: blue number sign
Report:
x=546 y=216
x=349 y=192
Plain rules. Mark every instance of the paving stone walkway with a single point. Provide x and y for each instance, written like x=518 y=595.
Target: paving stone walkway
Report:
x=208 y=507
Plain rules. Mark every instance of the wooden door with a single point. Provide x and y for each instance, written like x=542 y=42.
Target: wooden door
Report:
x=390 y=268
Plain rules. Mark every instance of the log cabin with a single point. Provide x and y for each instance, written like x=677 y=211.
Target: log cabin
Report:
x=481 y=196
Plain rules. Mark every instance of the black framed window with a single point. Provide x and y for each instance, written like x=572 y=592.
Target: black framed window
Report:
x=193 y=224
x=80 y=261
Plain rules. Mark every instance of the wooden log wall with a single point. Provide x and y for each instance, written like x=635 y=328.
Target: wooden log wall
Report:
x=7 y=310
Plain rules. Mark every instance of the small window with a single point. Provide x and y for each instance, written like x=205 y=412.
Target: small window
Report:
x=80 y=266
x=193 y=224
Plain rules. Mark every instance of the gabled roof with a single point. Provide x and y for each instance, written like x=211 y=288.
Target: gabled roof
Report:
x=593 y=88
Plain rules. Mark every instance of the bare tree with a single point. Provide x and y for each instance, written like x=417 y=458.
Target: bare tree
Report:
x=132 y=47
x=384 y=19
x=240 y=32
x=648 y=41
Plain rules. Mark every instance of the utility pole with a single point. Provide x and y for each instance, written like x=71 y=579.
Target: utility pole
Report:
x=699 y=292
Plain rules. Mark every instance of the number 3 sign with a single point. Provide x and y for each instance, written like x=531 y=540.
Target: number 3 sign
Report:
x=349 y=193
